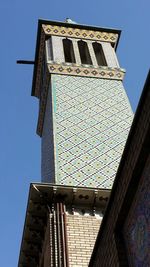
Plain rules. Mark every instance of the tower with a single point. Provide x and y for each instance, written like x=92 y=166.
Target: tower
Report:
x=84 y=119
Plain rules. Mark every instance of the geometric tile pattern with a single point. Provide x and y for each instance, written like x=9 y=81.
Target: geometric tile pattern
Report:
x=137 y=226
x=86 y=70
x=69 y=69
x=47 y=144
x=80 y=33
x=91 y=119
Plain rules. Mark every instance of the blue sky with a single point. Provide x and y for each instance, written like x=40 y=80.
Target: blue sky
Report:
x=20 y=146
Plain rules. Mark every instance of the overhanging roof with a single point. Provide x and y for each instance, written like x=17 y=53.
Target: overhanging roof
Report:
x=41 y=197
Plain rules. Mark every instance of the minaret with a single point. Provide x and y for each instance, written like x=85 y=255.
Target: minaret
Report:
x=84 y=119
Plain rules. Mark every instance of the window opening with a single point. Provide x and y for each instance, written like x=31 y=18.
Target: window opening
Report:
x=68 y=51
x=84 y=53
x=101 y=61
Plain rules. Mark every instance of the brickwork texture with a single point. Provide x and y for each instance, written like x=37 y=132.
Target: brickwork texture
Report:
x=82 y=232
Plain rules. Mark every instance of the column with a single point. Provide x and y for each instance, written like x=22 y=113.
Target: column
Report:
x=110 y=55
x=76 y=51
x=58 y=52
x=92 y=54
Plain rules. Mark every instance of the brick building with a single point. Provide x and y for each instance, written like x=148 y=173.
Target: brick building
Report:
x=123 y=239
x=84 y=120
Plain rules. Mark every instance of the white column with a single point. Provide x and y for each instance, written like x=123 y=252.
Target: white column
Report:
x=110 y=55
x=76 y=51
x=58 y=51
x=92 y=54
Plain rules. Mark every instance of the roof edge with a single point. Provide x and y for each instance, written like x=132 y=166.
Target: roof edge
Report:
x=81 y=26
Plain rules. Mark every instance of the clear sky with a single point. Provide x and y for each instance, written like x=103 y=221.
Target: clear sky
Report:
x=20 y=146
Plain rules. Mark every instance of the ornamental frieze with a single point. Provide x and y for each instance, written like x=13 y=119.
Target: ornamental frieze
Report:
x=87 y=71
x=80 y=33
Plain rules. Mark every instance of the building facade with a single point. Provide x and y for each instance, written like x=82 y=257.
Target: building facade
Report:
x=123 y=239
x=84 y=120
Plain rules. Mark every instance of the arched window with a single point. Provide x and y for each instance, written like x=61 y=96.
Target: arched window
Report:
x=84 y=53
x=101 y=61
x=68 y=51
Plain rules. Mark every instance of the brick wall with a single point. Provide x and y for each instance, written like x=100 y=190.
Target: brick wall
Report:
x=82 y=232
x=81 y=235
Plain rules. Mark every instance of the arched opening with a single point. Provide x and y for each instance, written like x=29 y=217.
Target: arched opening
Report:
x=68 y=51
x=101 y=61
x=84 y=53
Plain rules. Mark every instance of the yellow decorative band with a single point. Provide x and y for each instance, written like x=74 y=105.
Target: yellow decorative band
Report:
x=80 y=33
x=100 y=72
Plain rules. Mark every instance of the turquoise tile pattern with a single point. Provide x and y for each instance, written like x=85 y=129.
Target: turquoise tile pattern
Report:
x=91 y=119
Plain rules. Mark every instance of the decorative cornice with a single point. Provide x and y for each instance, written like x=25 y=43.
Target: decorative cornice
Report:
x=86 y=71
x=80 y=33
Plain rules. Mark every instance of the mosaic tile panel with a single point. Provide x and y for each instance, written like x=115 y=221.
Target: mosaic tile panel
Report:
x=80 y=33
x=47 y=145
x=86 y=70
x=137 y=225
x=91 y=118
